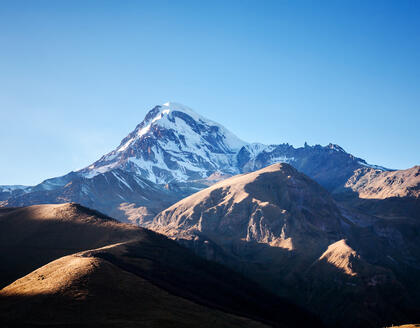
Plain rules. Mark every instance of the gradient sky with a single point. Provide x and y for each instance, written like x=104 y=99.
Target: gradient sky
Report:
x=77 y=76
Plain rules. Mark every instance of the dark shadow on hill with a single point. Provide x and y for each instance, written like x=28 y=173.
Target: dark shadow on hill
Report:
x=373 y=298
x=216 y=286
x=393 y=207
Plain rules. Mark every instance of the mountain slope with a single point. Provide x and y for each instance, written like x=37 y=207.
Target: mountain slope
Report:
x=83 y=290
x=243 y=206
x=33 y=236
x=393 y=195
x=110 y=192
x=376 y=184
x=330 y=166
x=281 y=228
x=7 y=191
x=133 y=267
x=173 y=143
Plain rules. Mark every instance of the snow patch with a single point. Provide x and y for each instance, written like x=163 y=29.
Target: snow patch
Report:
x=10 y=188
x=376 y=167
x=121 y=180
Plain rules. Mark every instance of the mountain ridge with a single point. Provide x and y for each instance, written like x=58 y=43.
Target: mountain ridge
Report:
x=282 y=229
x=173 y=153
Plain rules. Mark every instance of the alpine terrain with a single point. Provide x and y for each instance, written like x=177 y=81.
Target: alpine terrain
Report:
x=173 y=153
x=265 y=232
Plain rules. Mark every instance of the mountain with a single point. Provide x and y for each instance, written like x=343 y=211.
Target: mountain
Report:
x=76 y=267
x=242 y=207
x=331 y=166
x=171 y=154
x=377 y=184
x=7 y=191
x=112 y=192
x=282 y=229
x=324 y=228
x=173 y=143
x=386 y=194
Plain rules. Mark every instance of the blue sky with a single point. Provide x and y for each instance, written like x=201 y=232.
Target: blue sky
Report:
x=77 y=76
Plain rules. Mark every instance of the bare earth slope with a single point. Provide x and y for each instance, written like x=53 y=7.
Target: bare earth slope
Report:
x=35 y=235
x=83 y=290
x=375 y=184
x=390 y=194
x=282 y=229
x=269 y=206
x=124 y=276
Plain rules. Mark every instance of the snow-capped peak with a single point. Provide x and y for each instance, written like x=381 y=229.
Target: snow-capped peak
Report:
x=233 y=141
x=172 y=143
x=174 y=106
x=144 y=127
x=165 y=116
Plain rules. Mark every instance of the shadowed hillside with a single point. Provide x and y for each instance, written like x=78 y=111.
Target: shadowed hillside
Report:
x=281 y=228
x=125 y=275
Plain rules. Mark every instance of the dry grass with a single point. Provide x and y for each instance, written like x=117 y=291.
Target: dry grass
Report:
x=80 y=289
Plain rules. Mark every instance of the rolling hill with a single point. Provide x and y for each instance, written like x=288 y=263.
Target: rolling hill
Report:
x=76 y=267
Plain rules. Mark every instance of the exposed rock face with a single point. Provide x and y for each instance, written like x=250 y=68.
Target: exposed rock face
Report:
x=119 y=274
x=376 y=184
x=330 y=166
x=271 y=206
x=391 y=195
x=341 y=256
x=281 y=228
x=7 y=192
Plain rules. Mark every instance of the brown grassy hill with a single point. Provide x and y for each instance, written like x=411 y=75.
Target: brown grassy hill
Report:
x=281 y=228
x=35 y=235
x=121 y=276
x=83 y=290
x=272 y=206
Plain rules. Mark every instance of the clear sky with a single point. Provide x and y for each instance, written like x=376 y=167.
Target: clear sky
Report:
x=77 y=76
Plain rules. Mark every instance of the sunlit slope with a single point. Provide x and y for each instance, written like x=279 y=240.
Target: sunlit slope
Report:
x=108 y=275
x=84 y=290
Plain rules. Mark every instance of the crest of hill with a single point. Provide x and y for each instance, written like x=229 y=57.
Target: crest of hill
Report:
x=35 y=235
x=119 y=268
x=66 y=290
x=275 y=205
x=377 y=184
